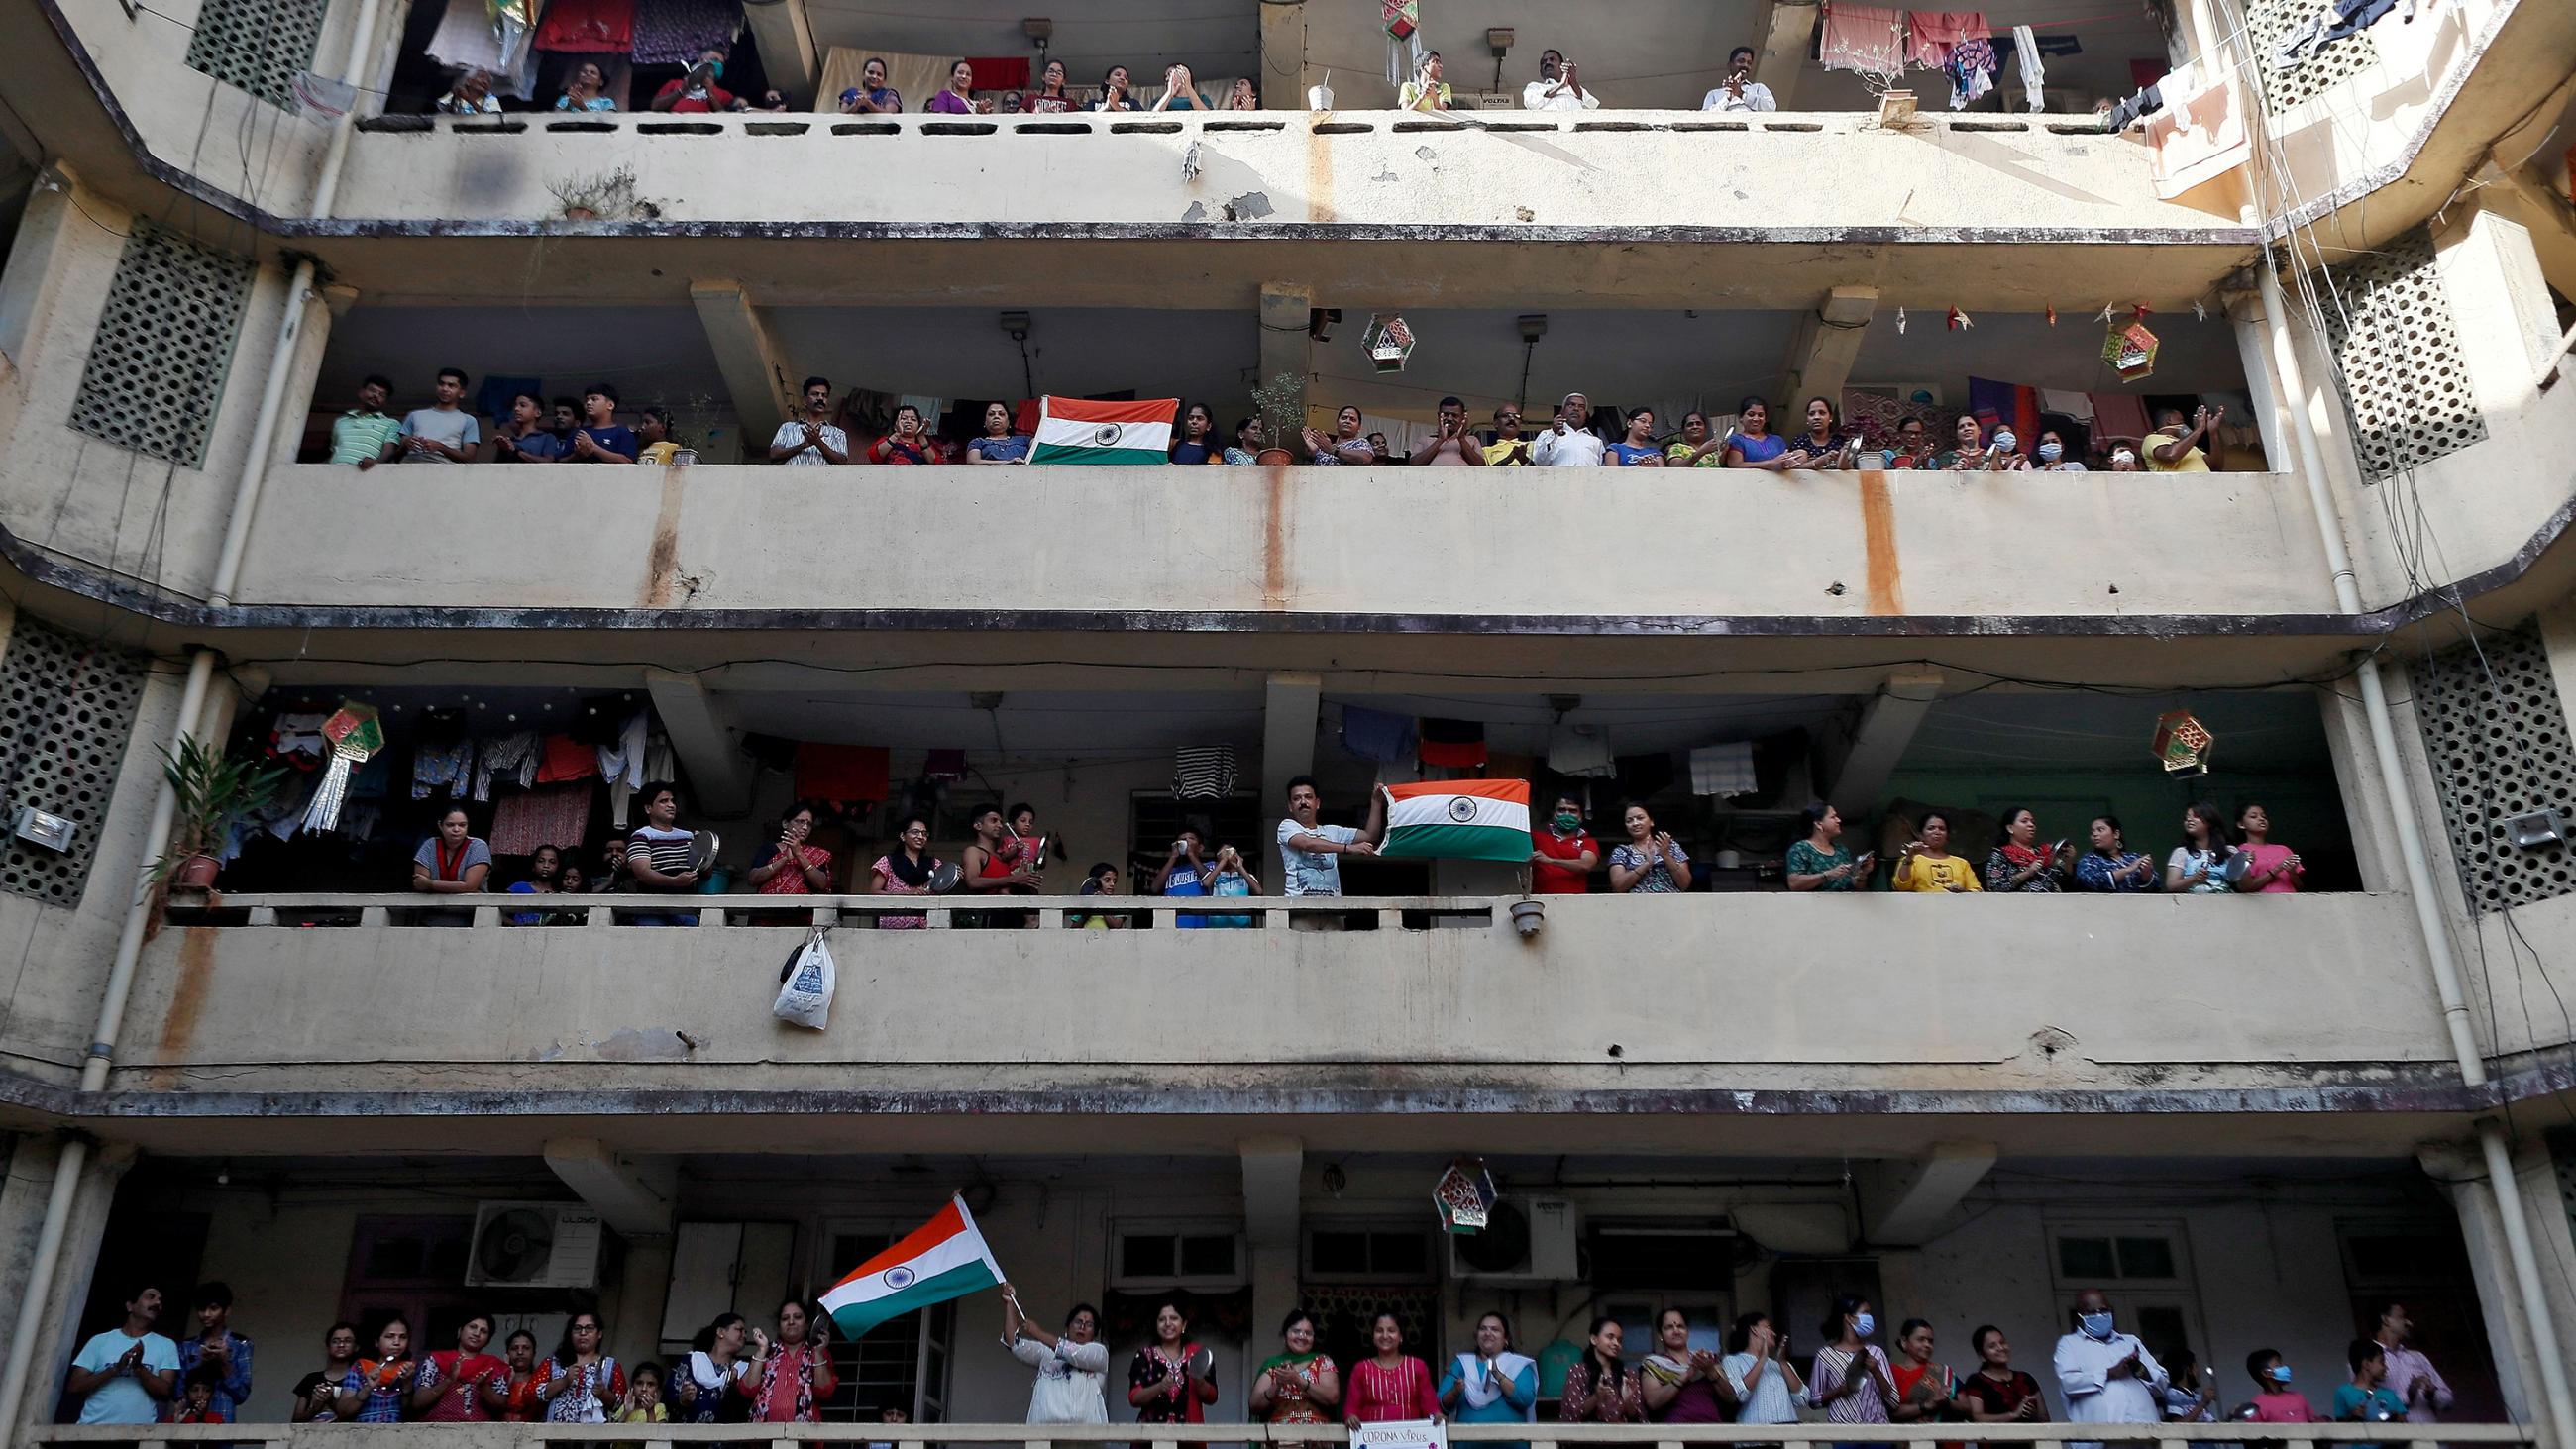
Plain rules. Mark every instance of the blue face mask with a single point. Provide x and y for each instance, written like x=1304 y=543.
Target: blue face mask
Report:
x=1864 y=1324
x=2051 y=452
x=2096 y=1325
x=2280 y=1373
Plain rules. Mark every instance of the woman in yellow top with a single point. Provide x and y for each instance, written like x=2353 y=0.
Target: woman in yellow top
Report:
x=1926 y=864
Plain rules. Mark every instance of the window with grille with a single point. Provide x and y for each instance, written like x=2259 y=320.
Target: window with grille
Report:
x=1155 y=1255
x=2497 y=742
x=1360 y=1253
x=66 y=713
x=2406 y=386
x=257 y=45
x=2270 y=23
x=164 y=344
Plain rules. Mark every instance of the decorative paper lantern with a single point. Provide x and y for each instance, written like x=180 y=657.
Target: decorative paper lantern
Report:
x=1388 y=341
x=2183 y=744
x=1403 y=17
x=355 y=735
x=2130 y=349
x=1465 y=1196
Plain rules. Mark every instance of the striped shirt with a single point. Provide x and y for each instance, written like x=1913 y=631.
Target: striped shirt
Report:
x=666 y=851
x=357 y=436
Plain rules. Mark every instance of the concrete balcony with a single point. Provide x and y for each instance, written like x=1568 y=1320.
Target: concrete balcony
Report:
x=1289 y=548
x=1864 y=997
x=1797 y=193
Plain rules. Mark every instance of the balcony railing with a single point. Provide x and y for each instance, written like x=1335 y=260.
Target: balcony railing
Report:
x=1163 y=1436
x=1680 y=990
x=1387 y=541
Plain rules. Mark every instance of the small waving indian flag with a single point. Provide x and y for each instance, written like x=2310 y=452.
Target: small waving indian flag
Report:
x=1072 y=430
x=942 y=1259
x=1459 y=820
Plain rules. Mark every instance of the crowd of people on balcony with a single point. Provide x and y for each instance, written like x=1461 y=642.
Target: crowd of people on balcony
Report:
x=586 y=430
x=736 y=1372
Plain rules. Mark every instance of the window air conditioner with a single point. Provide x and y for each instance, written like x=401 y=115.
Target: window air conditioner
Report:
x=534 y=1245
x=1529 y=1240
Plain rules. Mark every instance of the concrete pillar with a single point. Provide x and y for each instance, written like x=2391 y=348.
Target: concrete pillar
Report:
x=754 y=366
x=1285 y=351
x=2254 y=351
x=1273 y=1171
x=788 y=52
x=2461 y=1169
x=83 y=1230
x=1283 y=57
x=1826 y=345
x=1784 y=37
x=1292 y=704
x=1887 y=727
x=26 y=287
x=29 y=1181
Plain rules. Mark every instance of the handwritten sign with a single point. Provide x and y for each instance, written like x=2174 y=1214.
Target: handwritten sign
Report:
x=1402 y=1434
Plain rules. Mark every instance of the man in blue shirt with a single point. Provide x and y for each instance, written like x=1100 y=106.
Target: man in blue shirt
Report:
x=125 y=1375
x=217 y=1344
x=599 y=439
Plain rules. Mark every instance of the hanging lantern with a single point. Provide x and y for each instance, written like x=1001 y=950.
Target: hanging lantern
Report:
x=1465 y=1196
x=355 y=734
x=2183 y=744
x=1403 y=18
x=1388 y=341
x=2130 y=349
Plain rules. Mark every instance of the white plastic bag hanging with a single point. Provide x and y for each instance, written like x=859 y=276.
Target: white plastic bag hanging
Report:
x=805 y=990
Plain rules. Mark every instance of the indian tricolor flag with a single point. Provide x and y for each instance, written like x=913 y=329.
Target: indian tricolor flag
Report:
x=942 y=1259
x=1459 y=820
x=1071 y=430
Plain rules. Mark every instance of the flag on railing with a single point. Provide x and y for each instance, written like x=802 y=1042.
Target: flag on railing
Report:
x=1073 y=430
x=942 y=1259
x=1459 y=820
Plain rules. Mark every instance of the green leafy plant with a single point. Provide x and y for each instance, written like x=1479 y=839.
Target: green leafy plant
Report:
x=1281 y=405
x=210 y=793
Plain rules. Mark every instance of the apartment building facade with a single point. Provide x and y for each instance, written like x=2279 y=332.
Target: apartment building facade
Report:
x=2251 y=1118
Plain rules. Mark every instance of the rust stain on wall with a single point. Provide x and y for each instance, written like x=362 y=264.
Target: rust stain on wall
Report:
x=1885 y=582
x=662 y=567
x=187 y=1003
x=1319 y=177
x=1275 y=539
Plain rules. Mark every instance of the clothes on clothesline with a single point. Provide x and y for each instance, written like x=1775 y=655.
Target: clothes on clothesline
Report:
x=1869 y=39
x=2026 y=52
x=841 y=774
x=468 y=36
x=510 y=758
x=1933 y=34
x=450 y=764
x=1723 y=770
x=1203 y=772
x=1971 y=68
x=1372 y=734
x=1580 y=751
x=589 y=27
x=1457 y=744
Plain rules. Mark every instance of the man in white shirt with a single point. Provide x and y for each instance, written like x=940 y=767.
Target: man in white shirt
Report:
x=810 y=439
x=1559 y=87
x=446 y=433
x=1740 y=91
x=2108 y=1377
x=1569 y=442
x=1311 y=852
x=126 y=1373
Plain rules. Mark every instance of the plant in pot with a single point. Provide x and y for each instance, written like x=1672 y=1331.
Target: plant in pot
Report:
x=209 y=793
x=1281 y=406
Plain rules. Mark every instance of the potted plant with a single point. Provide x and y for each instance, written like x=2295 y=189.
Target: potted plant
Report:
x=1281 y=406
x=209 y=793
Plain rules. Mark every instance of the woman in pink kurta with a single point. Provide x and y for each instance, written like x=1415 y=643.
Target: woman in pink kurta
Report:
x=2277 y=869
x=1393 y=1385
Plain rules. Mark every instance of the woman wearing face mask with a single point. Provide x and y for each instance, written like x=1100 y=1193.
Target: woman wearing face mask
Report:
x=2053 y=454
x=1169 y=1382
x=2193 y=868
x=1821 y=862
x=1968 y=453
x=1599 y=1389
x=1072 y=1366
x=1681 y=1384
x=2021 y=861
x=1753 y=444
x=1851 y=1380
x=1296 y=1385
x=1926 y=864
x=1819 y=447
x=1492 y=1384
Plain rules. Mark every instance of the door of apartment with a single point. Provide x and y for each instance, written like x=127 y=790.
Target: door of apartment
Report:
x=2145 y=1265
x=2423 y=1264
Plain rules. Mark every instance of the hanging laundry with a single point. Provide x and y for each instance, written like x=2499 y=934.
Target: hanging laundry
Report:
x=1582 y=751
x=2119 y=415
x=1932 y=33
x=1724 y=770
x=2011 y=404
x=512 y=758
x=2076 y=405
x=2201 y=135
x=1971 y=68
x=297 y=738
x=675 y=32
x=944 y=765
x=592 y=27
x=621 y=760
x=566 y=758
x=2026 y=52
x=1457 y=744
x=1000 y=72
x=373 y=780
x=1372 y=734
x=841 y=774
x=1869 y=39
x=2338 y=20
x=548 y=815
x=467 y=35
x=450 y=764
x=1203 y=772
x=658 y=765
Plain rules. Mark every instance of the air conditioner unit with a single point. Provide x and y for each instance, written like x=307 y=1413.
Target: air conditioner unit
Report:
x=1528 y=1240
x=534 y=1245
